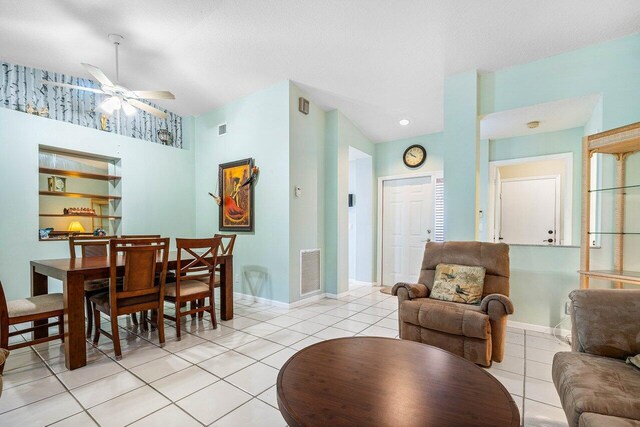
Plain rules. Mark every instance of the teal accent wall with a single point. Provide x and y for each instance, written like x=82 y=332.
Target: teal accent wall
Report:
x=460 y=155
x=157 y=189
x=388 y=155
x=340 y=134
x=307 y=171
x=257 y=127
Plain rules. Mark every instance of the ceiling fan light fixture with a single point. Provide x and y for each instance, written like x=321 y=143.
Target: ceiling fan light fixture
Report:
x=110 y=104
x=128 y=109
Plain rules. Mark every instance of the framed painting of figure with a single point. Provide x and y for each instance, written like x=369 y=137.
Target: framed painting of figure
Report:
x=236 y=191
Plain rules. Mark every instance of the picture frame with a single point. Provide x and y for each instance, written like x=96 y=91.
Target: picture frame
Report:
x=236 y=211
x=57 y=183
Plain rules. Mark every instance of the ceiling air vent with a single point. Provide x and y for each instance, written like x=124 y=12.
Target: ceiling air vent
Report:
x=222 y=129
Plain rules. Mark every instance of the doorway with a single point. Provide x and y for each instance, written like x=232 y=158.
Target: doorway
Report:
x=410 y=216
x=360 y=218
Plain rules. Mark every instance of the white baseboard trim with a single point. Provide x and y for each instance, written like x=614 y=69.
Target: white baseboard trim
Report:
x=536 y=328
x=336 y=296
x=359 y=283
x=280 y=304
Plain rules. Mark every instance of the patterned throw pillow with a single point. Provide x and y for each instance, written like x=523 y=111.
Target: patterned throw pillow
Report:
x=458 y=283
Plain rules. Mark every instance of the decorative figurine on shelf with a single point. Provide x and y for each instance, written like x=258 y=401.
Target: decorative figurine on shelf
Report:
x=44 y=232
x=99 y=232
x=79 y=211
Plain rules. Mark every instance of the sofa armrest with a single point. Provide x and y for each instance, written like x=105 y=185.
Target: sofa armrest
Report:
x=409 y=291
x=496 y=305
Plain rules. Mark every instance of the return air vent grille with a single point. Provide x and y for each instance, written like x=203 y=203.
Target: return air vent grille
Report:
x=309 y=271
x=222 y=129
x=438 y=234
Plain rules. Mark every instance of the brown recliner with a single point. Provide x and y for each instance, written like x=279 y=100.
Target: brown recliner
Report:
x=475 y=332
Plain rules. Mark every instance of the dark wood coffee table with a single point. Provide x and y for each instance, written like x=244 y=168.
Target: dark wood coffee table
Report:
x=371 y=381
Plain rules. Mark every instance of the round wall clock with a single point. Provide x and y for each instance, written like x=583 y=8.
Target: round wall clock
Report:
x=414 y=156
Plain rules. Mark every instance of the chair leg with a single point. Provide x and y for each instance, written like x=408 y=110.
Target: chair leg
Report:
x=160 y=325
x=143 y=321
x=115 y=335
x=201 y=304
x=61 y=327
x=4 y=340
x=96 y=320
x=178 y=316
x=192 y=305
x=212 y=311
x=87 y=302
x=134 y=319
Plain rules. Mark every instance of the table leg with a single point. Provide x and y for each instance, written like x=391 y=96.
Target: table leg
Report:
x=226 y=290
x=39 y=286
x=75 y=351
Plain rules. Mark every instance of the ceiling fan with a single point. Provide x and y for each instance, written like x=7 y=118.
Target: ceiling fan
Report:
x=119 y=97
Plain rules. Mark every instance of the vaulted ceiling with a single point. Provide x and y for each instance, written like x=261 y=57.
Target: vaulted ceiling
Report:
x=378 y=61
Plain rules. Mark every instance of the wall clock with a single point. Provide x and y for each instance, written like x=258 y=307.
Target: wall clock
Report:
x=414 y=156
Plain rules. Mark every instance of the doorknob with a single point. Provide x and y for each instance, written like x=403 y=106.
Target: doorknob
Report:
x=550 y=231
x=548 y=240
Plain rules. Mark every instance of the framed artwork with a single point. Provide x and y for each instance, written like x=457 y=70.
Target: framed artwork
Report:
x=236 y=192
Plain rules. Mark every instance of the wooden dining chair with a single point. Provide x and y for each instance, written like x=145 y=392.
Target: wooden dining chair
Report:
x=41 y=307
x=140 y=236
x=194 y=279
x=226 y=248
x=90 y=246
x=140 y=290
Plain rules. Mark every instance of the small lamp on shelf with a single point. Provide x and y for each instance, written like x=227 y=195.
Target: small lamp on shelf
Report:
x=75 y=227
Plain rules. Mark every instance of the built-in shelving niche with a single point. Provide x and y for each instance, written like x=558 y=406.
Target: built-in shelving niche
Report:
x=78 y=180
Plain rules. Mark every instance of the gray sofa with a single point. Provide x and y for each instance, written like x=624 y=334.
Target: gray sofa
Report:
x=595 y=385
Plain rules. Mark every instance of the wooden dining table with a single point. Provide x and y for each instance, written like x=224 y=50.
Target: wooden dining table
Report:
x=73 y=272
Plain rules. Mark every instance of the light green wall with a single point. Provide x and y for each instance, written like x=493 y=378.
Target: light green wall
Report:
x=157 y=189
x=542 y=277
x=460 y=155
x=306 y=170
x=388 y=155
x=340 y=134
x=257 y=127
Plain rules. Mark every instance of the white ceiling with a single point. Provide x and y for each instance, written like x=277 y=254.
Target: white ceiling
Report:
x=378 y=61
x=553 y=116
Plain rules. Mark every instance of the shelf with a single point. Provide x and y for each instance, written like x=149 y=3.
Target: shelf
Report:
x=78 y=174
x=82 y=216
x=625 y=139
x=79 y=195
x=624 y=276
x=614 y=188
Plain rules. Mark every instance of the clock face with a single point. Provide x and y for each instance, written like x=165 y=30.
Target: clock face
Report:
x=415 y=156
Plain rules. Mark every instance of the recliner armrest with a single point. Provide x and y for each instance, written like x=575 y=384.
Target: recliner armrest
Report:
x=414 y=290
x=502 y=303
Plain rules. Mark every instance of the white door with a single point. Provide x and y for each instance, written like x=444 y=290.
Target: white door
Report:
x=529 y=211
x=407 y=223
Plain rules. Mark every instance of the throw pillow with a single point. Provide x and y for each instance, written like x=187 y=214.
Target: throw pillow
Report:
x=458 y=283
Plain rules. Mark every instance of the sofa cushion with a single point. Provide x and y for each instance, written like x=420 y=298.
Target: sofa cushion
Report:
x=450 y=317
x=596 y=420
x=602 y=385
x=458 y=283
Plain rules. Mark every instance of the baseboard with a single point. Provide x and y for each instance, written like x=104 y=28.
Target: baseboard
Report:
x=360 y=283
x=279 y=304
x=336 y=296
x=537 y=328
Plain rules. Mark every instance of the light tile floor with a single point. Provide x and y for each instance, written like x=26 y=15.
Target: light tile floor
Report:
x=226 y=377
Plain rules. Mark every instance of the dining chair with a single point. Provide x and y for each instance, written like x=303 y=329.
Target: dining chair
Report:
x=90 y=246
x=226 y=248
x=140 y=290
x=41 y=307
x=194 y=279
x=140 y=236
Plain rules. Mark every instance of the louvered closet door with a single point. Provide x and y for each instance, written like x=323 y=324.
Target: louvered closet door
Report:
x=407 y=223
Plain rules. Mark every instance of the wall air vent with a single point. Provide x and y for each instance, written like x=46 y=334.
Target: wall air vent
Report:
x=309 y=271
x=222 y=129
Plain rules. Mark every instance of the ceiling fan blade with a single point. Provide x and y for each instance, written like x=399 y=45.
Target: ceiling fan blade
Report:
x=88 y=89
x=148 y=108
x=98 y=74
x=154 y=94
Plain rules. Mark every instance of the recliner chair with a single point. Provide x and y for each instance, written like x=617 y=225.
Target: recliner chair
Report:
x=475 y=332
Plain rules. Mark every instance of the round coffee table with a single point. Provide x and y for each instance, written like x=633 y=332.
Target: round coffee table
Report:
x=376 y=381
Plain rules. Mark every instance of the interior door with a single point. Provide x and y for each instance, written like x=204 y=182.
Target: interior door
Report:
x=407 y=223
x=529 y=213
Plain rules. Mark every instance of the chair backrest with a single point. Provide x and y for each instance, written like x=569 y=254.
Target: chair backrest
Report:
x=492 y=256
x=196 y=266
x=140 y=236
x=226 y=243
x=140 y=258
x=4 y=311
x=89 y=246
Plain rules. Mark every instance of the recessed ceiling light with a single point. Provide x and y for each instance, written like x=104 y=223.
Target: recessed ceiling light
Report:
x=534 y=124
x=404 y=122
